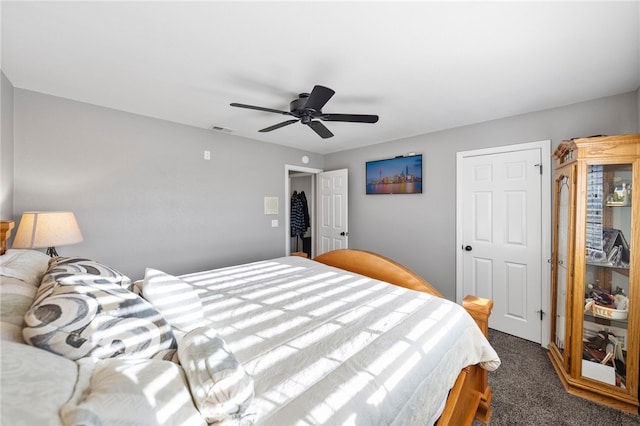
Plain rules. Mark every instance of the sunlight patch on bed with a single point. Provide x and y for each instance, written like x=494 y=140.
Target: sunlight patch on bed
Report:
x=402 y=370
x=157 y=384
x=264 y=363
x=241 y=308
x=358 y=295
x=433 y=328
x=314 y=336
x=174 y=405
x=259 y=294
x=294 y=346
x=307 y=301
x=339 y=398
x=329 y=307
x=334 y=359
x=259 y=319
x=354 y=314
x=281 y=298
x=316 y=286
x=307 y=280
x=298 y=383
x=282 y=328
x=249 y=272
x=245 y=343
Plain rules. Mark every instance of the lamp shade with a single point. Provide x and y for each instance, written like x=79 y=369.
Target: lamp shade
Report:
x=47 y=229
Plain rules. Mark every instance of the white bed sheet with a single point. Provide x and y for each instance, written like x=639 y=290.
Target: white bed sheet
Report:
x=326 y=346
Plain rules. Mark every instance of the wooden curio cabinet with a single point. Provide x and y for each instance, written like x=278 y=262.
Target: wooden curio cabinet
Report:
x=595 y=285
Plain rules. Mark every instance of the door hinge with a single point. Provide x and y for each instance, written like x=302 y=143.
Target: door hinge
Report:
x=541 y=312
x=540 y=167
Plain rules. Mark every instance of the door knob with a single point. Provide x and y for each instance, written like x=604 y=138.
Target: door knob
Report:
x=344 y=234
x=468 y=248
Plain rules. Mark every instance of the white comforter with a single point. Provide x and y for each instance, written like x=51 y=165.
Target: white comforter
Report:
x=326 y=346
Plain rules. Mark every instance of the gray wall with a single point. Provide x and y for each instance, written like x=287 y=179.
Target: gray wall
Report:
x=419 y=230
x=141 y=190
x=144 y=196
x=6 y=148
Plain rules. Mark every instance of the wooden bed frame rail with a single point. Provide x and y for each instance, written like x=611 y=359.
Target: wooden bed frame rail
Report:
x=470 y=396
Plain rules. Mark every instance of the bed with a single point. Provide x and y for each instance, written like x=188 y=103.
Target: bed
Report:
x=349 y=337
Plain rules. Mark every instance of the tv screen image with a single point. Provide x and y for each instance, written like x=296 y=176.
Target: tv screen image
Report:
x=399 y=175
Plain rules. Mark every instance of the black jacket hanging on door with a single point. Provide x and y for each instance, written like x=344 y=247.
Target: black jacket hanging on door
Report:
x=299 y=214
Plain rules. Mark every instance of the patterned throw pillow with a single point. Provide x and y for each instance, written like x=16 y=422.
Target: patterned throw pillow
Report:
x=86 y=316
x=62 y=267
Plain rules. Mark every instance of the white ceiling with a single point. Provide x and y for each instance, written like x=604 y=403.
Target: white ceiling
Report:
x=421 y=66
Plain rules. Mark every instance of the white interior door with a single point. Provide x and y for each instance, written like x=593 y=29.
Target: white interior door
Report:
x=332 y=220
x=500 y=238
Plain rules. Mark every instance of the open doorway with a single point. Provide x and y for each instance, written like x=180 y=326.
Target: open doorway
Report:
x=300 y=180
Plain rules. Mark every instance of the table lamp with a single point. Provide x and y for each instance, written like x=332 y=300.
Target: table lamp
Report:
x=47 y=229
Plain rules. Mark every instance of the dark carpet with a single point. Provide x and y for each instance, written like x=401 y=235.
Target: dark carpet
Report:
x=527 y=391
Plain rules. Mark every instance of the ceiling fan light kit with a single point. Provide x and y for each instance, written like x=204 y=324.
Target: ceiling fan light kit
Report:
x=308 y=110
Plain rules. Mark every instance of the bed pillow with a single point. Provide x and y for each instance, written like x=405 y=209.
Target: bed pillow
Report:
x=16 y=298
x=61 y=267
x=88 y=317
x=25 y=265
x=221 y=388
x=34 y=383
x=130 y=392
x=178 y=302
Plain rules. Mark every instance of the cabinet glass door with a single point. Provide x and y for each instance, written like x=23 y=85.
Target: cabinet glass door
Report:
x=606 y=275
x=563 y=212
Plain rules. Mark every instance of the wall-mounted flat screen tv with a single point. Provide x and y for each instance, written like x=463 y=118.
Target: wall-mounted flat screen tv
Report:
x=399 y=175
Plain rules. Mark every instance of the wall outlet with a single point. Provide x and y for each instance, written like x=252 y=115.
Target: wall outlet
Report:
x=207 y=155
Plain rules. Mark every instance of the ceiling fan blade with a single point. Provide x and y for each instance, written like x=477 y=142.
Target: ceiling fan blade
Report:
x=277 y=111
x=277 y=126
x=351 y=118
x=320 y=129
x=319 y=96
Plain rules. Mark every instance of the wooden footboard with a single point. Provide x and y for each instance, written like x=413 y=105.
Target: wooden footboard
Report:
x=470 y=397
x=377 y=267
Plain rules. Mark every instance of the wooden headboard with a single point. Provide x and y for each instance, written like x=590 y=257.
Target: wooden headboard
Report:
x=377 y=267
x=5 y=232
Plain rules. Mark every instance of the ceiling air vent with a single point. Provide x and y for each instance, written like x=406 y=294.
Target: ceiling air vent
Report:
x=220 y=129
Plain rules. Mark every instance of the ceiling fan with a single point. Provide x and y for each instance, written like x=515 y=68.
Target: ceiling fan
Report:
x=308 y=110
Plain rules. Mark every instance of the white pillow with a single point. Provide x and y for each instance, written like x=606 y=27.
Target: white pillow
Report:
x=34 y=383
x=178 y=302
x=221 y=388
x=130 y=392
x=25 y=265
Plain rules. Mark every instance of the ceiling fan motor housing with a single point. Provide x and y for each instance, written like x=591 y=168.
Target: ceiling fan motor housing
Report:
x=297 y=105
